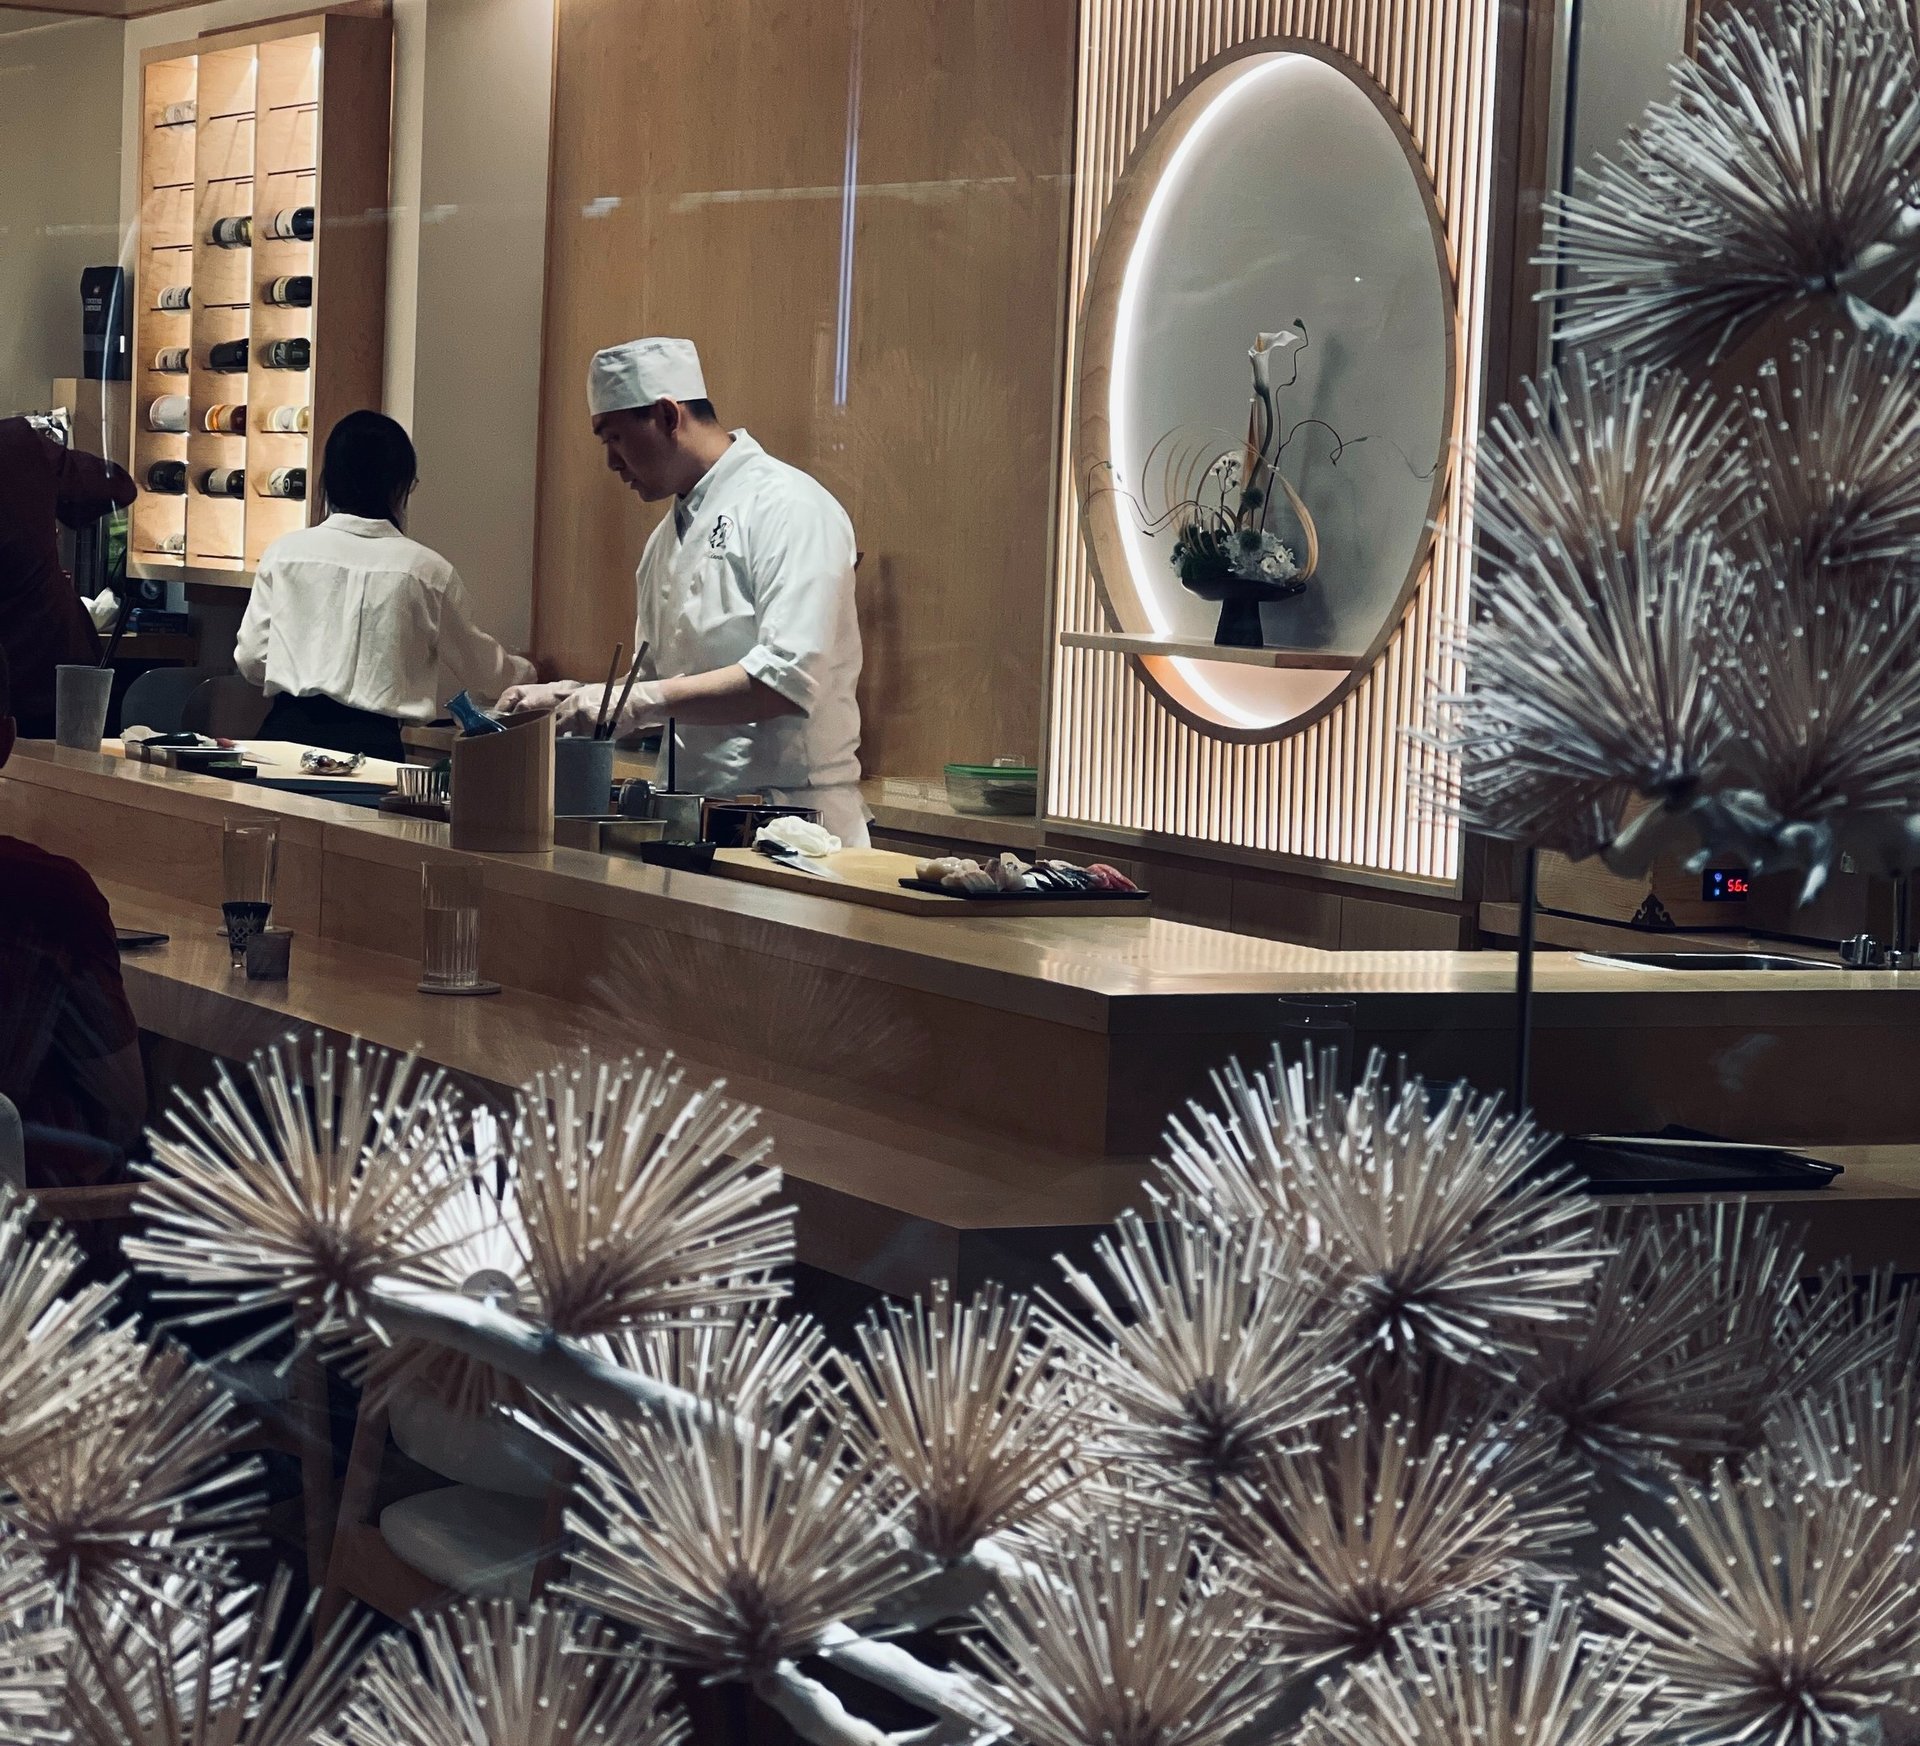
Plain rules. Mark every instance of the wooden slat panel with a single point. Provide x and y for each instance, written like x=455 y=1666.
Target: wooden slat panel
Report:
x=1348 y=788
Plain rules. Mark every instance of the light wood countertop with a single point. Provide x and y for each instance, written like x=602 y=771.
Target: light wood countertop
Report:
x=1070 y=1033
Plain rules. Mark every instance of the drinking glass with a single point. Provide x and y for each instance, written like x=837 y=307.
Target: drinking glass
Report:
x=80 y=697
x=450 y=928
x=1316 y=1031
x=248 y=854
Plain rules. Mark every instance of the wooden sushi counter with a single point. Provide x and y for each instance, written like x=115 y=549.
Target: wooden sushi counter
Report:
x=947 y=1095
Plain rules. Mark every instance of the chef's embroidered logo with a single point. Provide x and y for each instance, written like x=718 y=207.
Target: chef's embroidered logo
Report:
x=717 y=540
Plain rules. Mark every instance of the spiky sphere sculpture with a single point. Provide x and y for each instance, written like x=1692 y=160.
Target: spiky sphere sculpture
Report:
x=1775 y=1612
x=970 y=1407
x=1779 y=171
x=494 y=1677
x=1520 y=1674
x=1650 y=1374
x=224 y=1674
x=642 y=1200
x=1201 y=1351
x=1593 y=453
x=1133 y=1632
x=141 y=1490
x=54 y=1366
x=32 y=1648
x=1834 y=436
x=731 y=1540
x=1389 y=1522
x=294 y=1220
x=1586 y=685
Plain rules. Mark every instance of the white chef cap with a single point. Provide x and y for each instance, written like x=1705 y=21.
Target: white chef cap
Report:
x=643 y=371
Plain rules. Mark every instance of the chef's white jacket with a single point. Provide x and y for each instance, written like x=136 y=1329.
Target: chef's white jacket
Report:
x=356 y=611
x=755 y=567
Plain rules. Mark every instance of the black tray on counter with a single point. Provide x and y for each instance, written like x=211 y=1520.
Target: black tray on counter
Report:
x=1679 y=1160
x=1094 y=895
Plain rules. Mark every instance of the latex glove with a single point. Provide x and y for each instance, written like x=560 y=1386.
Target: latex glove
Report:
x=522 y=699
x=580 y=711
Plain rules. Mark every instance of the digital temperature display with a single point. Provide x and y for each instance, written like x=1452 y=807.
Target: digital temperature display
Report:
x=1724 y=884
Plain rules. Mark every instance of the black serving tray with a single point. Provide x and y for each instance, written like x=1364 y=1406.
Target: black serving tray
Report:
x=1679 y=1160
x=1094 y=895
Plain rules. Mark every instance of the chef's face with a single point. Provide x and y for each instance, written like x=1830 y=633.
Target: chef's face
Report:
x=640 y=448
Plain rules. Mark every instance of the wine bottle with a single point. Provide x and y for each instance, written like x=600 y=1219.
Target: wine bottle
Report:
x=291 y=291
x=291 y=224
x=176 y=297
x=285 y=482
x=225 y=420
x=171 y=360
x=290 y=418
x=168 y=477
x=223 y=482
x=169 y=412
x=233 y=233
x=289 y=354
x=229 y=357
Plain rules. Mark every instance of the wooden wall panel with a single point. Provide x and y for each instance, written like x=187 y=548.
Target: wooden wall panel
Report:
x=700 y=162
x=1347 y=789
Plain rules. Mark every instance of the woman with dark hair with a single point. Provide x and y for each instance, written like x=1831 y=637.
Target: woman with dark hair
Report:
x=352 y=628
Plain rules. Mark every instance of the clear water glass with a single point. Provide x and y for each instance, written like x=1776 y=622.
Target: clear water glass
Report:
x=249 y=856
x=1316 y=1031
x=450 y=925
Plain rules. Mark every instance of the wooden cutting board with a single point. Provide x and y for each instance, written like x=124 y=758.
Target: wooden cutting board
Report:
x=872 y=876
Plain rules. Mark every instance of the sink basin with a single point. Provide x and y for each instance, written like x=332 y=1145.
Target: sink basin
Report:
x=1713 y=960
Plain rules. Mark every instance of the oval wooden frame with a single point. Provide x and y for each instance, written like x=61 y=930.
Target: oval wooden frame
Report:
x=1093 y=370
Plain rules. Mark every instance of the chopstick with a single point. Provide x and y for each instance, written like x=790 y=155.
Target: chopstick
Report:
x=119 y=630
x=626 y=691
x=606 y=691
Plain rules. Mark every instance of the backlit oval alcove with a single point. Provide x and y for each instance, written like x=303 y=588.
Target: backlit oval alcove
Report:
x=1280 y=190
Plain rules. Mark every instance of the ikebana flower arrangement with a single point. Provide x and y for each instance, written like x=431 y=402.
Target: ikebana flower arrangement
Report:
x=1371 y=1431
x=1229 y=506
x=1696 y=629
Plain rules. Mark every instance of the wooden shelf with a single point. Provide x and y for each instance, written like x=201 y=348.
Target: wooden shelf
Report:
x=1139 y=643
x=274 y=82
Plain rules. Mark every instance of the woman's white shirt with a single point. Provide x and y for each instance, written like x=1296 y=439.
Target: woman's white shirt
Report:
x=354 y=610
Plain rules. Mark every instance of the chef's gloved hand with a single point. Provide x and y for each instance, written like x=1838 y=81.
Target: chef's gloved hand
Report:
x=578 y=713
x=526 y=699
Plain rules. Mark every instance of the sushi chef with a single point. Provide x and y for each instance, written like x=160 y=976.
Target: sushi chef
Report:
x=744 y=599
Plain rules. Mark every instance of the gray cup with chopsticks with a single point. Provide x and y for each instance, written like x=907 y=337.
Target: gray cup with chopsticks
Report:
x=583 y=767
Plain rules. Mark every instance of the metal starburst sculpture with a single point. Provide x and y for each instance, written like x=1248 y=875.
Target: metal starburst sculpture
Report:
x=1820 y=694
x=1652 y=1373
x=290 y=1220
x=1781 y=170
x=1389 y=1522
x=1776 y=1613
x=1586 y=686
x=32 y=1649
x=1593 y=453
x=734 y=1541
x=1519 y=1674
x=1834 y=438
x=55 y=1364
x=971 y=1408
x=1428 y=1225
x=642 y=1199
x=140 y=1490
x=1129 y=1631
x=497 y=1677
x=232 y=1679
x=1203 y=1350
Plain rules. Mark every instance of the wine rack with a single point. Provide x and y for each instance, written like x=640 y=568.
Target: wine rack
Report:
x=236 y=127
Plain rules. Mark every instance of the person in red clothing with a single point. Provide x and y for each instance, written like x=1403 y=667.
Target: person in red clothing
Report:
x=42 y=623
x=69 y=1046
